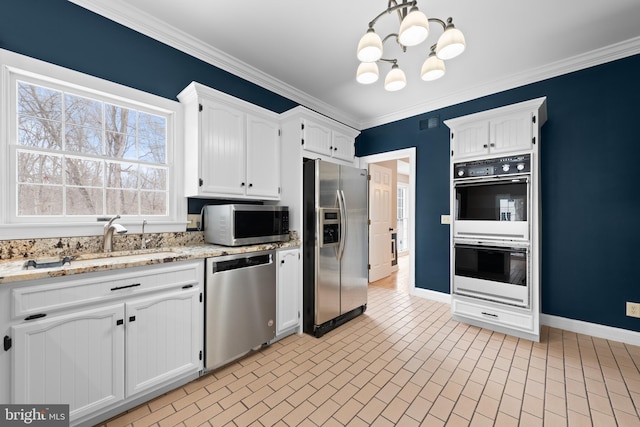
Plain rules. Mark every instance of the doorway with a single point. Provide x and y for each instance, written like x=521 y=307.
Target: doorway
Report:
x=401 y=239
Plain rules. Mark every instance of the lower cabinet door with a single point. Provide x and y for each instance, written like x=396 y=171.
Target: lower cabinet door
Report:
x=288 y=290
x=75 y=359
x=163 y=338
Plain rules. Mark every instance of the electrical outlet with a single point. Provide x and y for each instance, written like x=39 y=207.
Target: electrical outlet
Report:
x=194 y=221
x=633 y=309
x=445 y=219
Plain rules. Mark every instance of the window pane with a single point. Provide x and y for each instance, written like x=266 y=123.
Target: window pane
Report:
x=122 y=175
x=83 y=140
x=124 y=202
x=152 y=127
x=83 y=111
x=152 y=150
x=40 y=102
x=84 y=201
x=153 y=178
x=39 y=133
x=119 y=119
x=39 y=168
x=39 y=200
x=84 y=173
x=153 y=203
x=120 y=146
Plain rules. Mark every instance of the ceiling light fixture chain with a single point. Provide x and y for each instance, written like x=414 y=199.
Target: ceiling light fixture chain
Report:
x=414 y=29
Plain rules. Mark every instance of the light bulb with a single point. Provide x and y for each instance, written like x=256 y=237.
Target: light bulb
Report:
x=367 y=73
x=370 y=47
x=395 y=79
x=414 y=28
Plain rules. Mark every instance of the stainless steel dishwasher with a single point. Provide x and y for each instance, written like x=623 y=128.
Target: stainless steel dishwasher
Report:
x=240 y=305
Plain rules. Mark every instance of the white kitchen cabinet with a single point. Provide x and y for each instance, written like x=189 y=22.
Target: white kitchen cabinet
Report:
x=162 y=338
x=76 y=358
x=288 y=290
x=98 y=341
x=505 y=130
x=323 y=136
x=232 y=147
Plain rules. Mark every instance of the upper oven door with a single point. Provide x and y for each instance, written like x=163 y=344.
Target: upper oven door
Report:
x=492 y=208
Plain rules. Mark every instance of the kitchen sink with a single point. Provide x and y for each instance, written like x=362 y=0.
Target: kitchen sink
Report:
x=99 y=258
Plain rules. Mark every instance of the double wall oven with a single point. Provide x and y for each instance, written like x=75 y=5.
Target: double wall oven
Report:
x=491 y=229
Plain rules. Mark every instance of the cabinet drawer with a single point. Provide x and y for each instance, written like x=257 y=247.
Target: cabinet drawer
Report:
x=489 y=313
x=55 y=294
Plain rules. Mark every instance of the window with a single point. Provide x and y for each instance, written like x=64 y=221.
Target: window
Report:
x=81 y=149
x=402 y=217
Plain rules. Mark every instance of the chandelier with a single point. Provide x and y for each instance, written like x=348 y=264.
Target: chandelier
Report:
x=414 y=29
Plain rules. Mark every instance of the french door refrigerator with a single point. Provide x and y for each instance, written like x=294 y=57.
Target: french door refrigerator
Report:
x=335 y=245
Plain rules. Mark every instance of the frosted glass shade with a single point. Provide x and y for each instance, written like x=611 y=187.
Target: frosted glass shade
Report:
x=432 y=69
x=414 y=28
x=367 y=73
x=395 y=79
x=451 y=43
x=370 y=47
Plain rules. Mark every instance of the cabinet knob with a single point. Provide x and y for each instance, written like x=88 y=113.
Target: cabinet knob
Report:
x=335 y=148
x=492 y=145
x=250 y=185
x=242 y=184
x=282 y=262
x=331 y=148
x=484 y=145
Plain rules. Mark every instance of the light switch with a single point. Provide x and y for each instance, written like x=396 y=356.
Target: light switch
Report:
x=445 y=219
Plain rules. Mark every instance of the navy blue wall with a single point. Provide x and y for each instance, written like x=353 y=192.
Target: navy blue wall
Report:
x=62 y=33
x=590 y=151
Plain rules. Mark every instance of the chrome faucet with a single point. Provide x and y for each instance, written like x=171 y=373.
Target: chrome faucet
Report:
x=109 y=228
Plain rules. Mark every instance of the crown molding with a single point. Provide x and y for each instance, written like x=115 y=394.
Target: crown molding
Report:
x=122 y=13
x=579 y=62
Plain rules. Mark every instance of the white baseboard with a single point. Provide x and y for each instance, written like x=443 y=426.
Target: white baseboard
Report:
x=578 y=326
x=595 y=330
x=433 y=295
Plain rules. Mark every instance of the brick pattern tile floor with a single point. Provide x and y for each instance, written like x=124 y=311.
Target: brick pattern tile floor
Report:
x=405 y=362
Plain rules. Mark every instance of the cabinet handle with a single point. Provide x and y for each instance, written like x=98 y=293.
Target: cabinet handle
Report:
x=489 y=314
x=492 y=144
x=331 y=148
x=484 y=146
x=335 y=148
x=282 y=262
x=117 y=288
x=132 y=318
x=119 y=322
x=250 y=185
x=35 y=316
x=242 y=184
x=187 y=286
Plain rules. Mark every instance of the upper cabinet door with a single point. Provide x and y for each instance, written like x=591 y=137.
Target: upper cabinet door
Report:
x=317 y=138
x=343 y=146
x=511 y=133
x=222 y=160
x=263 y=158
x=470 y=140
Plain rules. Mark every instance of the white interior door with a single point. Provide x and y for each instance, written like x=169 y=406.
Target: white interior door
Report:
x=380 y=199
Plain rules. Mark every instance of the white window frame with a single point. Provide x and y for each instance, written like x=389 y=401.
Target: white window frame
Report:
x=14 y=67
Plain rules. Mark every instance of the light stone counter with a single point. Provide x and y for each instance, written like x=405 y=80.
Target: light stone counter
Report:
x=15 y=271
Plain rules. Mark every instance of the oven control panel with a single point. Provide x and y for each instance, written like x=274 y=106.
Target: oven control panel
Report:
x=493 y=167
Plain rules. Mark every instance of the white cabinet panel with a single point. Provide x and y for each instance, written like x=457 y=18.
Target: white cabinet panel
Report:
x=511 y=133
x=163 y=338
x=263 y=158
x=288 y=289
x=343 y=147
x=222 y=159
x=76 y=358
x=316 y=138
x=470 y=140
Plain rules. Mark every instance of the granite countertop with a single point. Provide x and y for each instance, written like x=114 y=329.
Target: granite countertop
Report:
x=14 y=270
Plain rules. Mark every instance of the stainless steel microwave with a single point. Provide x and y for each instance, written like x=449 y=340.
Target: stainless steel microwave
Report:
x=237 y=224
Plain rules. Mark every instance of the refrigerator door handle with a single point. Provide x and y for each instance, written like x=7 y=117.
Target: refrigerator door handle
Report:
x=343 y=222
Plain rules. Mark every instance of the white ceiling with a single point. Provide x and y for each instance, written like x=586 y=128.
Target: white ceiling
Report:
x=305 y=50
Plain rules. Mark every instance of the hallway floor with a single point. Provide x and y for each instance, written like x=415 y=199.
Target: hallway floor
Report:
x=406 y=362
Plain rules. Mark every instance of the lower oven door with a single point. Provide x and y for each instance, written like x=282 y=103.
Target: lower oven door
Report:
x=495 y=273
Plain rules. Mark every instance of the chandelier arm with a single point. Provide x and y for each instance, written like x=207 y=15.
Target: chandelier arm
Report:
x=392 y=61
x=391 y=9
x=439 y=21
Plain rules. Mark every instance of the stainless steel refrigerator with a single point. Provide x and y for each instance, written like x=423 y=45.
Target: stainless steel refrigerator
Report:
x=335 y=245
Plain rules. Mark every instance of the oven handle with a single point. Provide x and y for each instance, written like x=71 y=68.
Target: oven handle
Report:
x=492 y=247
x=494 y=179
